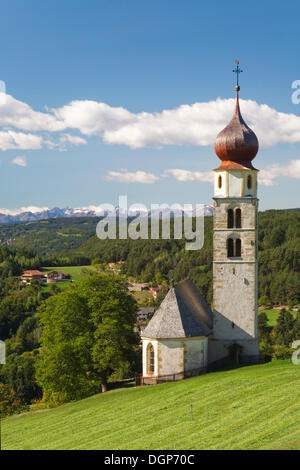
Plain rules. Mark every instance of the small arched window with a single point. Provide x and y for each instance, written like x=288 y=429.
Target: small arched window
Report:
x=234 y=248
x=230 y=221
x=220 y=182
x=249 y=181
x=238 y=248
x=234 y=218
x=230 y=248
x=238 y=218
x=150 y=359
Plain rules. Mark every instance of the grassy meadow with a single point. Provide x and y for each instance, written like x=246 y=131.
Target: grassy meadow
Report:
x=253 y=407
x=273 y=314
x=75 y=271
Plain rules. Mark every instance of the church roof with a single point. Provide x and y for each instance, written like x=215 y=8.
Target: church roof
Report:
x=237 y=144
x=183 y=313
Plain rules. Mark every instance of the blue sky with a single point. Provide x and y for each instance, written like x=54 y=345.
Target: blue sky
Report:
x=142 y=57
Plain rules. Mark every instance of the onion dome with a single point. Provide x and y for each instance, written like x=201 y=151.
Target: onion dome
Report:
x=237 y=144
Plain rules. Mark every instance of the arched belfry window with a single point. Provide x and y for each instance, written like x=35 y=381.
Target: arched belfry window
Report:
x=230 y=218
x=150 y=359
x=230 y=248
x=238 y=248
x=238 y=218
x=234 y=248
x=249 y=181
x=220 y=182
x=234 y=218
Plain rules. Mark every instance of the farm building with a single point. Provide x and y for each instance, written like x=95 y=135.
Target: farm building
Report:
x=144 y=312
x=155 y=291
x=57 y=276
x=33 y=274
x=137 y=286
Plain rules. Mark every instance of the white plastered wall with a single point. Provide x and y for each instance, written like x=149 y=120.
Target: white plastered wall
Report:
x=235 y=183
x=252 y=190
x=154 y=343
x=195 y=353
x=173 y=356
x=220 y=192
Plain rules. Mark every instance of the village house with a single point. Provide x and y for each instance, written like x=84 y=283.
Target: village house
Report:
x=33 y=274
x=58 y=276
x=144 y=312
x=155 y=291
x=116 y=265
x=137 y=286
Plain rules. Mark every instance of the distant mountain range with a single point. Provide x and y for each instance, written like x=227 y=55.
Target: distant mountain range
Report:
x=11 y=217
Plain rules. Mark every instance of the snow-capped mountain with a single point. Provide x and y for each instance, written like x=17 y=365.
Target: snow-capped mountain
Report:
x=31 y=214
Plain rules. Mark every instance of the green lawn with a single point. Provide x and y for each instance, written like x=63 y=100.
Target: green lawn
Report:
x=143 y=298
x=75 y=271
x=252 y=407
x=61 y=285
x=273 y=315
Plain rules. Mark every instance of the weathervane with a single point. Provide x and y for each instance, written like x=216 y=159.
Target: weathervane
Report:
x=237 y=70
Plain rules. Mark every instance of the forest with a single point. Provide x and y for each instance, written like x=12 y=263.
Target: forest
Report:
x=25 y=311
x=71 y=241
x=162 y=261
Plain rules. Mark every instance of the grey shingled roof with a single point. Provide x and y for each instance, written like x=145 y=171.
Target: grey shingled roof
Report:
x=183 y=313
x=146 y=310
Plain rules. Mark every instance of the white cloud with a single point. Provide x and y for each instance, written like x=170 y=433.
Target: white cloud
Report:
x=19 y=115
x=187 y=175
x=21 y=161
x=51 y=144
x=15 y=113
x=72 y=139
x=189 y=124
x=64 y=141
x=18 y=140
x=92 y=117
x=196 y=124
x=125 y=176
x=268 y=176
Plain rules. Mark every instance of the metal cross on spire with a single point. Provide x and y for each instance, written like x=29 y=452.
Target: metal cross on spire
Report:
x=237 y=70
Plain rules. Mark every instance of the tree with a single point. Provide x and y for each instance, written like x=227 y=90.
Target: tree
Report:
x=27 y=336
x=264 y=300
x=263 y=325
x=19 y=374
x=281 y=351
x=87 y=334
x=283 y=331
x=113 y=313
x=9 y=402
x=296 y=330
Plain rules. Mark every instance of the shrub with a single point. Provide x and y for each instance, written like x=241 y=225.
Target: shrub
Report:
x=9 y=401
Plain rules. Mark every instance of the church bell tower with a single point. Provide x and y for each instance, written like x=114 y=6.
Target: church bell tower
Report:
x=235 y=266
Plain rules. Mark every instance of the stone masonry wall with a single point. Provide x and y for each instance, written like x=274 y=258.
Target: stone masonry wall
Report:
x=235 y=279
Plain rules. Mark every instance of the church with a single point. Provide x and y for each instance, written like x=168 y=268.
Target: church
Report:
x=185 y=336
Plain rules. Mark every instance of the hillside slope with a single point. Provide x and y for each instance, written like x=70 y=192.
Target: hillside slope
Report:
x=49 y=236
x=148 y=260
x=253 y=407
